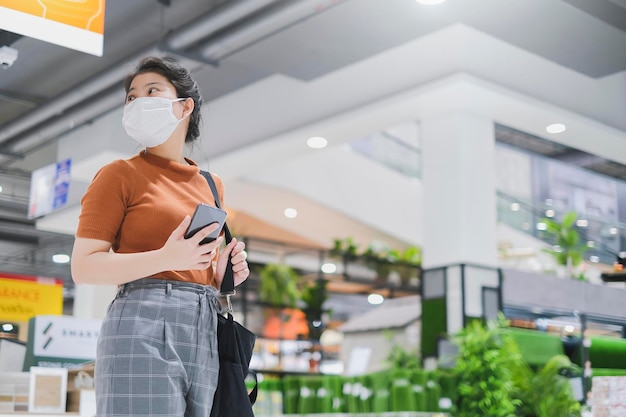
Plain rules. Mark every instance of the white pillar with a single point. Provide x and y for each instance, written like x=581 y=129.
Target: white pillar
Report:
x=459 y=190
x=91 y=301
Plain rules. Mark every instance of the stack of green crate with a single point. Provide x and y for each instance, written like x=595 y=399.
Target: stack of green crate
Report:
x=379 y=402
x=262 y=406
x=365 y=394
x=333 y=386
x=308 y=401
x=433 y=392
x=418 y=380
x=402 y=396
x=449 y=394
x=351 y=392
x=276 y=397
x=291 y=389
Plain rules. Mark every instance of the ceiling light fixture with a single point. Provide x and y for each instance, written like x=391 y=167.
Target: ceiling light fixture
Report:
x=291 y=213
x=430 y=2
x=375 y=299
x=329 y=268
x=60 y=258
x=556 y=128
x=317 y=142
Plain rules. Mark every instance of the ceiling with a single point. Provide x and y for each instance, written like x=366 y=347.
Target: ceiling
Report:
x=274 y=73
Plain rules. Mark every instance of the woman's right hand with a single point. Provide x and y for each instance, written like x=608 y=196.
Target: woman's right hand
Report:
x=184 y=254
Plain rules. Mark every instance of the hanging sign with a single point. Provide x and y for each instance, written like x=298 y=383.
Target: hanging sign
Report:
x=49 y=188
x=74 y=24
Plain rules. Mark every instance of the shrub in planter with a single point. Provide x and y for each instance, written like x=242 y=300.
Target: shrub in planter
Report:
x=547 y=392
x=483 y=371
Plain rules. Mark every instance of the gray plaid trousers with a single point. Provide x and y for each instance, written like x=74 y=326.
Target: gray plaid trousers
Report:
x=157 y=351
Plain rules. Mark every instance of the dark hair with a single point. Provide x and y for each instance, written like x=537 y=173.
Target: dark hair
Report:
x=181 y=79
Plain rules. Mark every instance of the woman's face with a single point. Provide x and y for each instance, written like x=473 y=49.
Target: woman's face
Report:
x=150 y=84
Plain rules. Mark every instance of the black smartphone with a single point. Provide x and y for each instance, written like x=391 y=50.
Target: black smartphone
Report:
x=204 y=216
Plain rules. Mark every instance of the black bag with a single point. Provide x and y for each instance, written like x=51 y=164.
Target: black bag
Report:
x=235 y=344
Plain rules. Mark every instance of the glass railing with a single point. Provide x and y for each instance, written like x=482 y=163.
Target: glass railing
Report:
x=391 y=151
x=603 y=239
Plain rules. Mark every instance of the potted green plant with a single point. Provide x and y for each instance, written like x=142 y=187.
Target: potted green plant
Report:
x=278 y=285
x=344 y=247
x=547 y=392
x=407 y=263
x=567 y=251
x=314 y=295
x=483 y=370
x=278 y=288
x=378 y=259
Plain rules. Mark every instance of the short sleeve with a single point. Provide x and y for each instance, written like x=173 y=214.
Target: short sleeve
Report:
x=104 y=203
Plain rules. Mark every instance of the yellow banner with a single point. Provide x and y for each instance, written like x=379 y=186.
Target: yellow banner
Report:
x=76 y=24
x=83 y=14
x=22 y=299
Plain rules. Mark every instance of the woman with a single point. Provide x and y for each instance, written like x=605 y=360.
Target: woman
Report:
x=157 y=350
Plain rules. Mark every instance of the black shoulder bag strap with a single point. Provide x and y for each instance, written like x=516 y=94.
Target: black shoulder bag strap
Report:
x=228 y=283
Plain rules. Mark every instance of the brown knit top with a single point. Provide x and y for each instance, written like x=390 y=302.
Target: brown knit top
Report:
x=136 y=204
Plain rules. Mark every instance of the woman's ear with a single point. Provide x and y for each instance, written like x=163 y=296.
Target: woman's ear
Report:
x=188 y=106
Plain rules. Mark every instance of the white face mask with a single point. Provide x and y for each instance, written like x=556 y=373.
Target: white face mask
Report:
x=150 y=120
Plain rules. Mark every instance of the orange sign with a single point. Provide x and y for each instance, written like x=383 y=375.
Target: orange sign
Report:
x=76 y=24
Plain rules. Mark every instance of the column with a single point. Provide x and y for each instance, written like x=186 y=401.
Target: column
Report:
x=459 y=191
x=459 y=226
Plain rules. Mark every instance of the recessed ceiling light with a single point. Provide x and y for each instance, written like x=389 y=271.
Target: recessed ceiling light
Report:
x=317 y=142
x=290 y=213
x=60 y=258
x=430 y=2
x=375 y=299
x=556 y=128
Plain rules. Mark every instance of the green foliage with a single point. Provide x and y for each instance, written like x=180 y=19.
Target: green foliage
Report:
x=408 y=261
x=495 y=381
x=314 y=294
x=410 y=255
x=486 y=356
x=346 y=246
x=278 y=285
x=381 y=258
x=547 y=393
x=570 y=250
x=400 y=358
